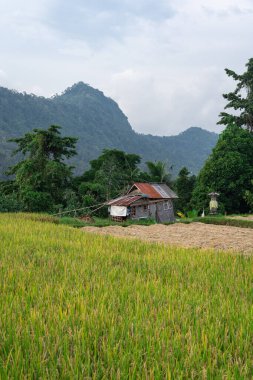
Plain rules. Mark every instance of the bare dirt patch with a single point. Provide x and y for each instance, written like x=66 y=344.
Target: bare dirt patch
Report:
x=186 y=235
x=248 y=217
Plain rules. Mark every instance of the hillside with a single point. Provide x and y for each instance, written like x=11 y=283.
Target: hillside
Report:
x=98 y=122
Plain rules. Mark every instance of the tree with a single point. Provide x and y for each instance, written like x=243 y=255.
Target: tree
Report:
x=9 y=201
x=43 y=176
x=110 y=174
x=158 y=172
x=184 y=186
x=241 y=100
x=249 y=197
x=228 y=170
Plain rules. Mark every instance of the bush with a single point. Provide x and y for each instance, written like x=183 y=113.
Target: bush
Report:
x=192 y=214
x=10 y=203
x=35 y=201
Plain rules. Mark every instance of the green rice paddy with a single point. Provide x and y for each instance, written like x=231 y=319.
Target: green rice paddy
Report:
x=80 y=306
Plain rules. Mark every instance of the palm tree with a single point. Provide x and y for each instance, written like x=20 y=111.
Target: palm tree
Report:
x=158 y=171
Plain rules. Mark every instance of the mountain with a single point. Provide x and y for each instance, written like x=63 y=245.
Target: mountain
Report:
x=98 y=122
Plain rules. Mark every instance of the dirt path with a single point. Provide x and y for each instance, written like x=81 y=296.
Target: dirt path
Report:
x=248 y=217
x=186 y=235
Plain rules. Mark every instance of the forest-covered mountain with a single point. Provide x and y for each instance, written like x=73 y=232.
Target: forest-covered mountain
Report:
x=98 y=122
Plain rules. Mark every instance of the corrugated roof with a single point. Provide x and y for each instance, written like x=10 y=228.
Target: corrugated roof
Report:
x=164 y=190
x=154 y=190
x=126 y=200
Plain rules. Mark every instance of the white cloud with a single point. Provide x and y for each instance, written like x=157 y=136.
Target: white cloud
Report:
x=163 y=61
x=2 y=74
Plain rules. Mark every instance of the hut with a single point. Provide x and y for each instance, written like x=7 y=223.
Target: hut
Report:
x=143 y=201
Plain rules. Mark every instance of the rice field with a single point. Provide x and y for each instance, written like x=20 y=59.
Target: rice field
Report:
x=75 y=305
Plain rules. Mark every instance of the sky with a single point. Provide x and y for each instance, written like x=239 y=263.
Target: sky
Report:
x=162 y=61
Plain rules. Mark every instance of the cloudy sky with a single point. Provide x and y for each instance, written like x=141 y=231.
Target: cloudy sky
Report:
x=163 y=61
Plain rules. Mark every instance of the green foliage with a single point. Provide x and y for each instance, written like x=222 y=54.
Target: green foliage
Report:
x=98 y=123
x=76 y=306
x=35 y=201
x=158 y=172
x=192 y=214
x=184 y=185
x=228 y=170
x=72 y=222
x=115 y=171
x=249 y=197
x=91 y=193
x=44 y=183
x=71 y=200
x=104 y=222
x=9 y=203
x=42 y=176
x=241 y=100
x=109 y=175
x=46 y=144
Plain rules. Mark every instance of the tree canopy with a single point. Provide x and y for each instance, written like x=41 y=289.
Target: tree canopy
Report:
x=158 y=172
x=241 y=99
x=111 y=174
x=42 y=176
x=113 y=171
x=98 y=122
x=184 y=186
x=228 y=170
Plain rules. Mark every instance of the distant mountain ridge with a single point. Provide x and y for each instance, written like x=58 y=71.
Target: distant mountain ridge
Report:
x=98 y=122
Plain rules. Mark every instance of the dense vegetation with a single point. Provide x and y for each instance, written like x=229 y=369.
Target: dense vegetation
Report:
x=184 y=186
x=79 y=306
x=42 y=176
x=249 y=196
x=74 y=305
x=43 y=181
x=241 y=99
x=98 y=123
x=229 y=169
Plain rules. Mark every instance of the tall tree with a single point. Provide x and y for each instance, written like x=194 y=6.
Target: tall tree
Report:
x=43 y=176
x=111 y=173
x=228 y=170
x=158 y=172
x=241 y=100
x=184 y=186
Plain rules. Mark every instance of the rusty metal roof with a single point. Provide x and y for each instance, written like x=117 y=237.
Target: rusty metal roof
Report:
x=125 y=200
x=141 y=190
x=154 y=190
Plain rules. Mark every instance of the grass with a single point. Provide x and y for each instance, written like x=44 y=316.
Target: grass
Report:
x=102 y=222
x=223 y=221
x=72 y=222
x=75 y=305
x=36 y=217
